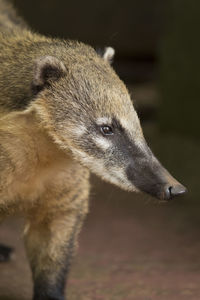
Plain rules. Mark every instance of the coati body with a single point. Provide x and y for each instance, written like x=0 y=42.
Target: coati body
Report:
x=63 y=112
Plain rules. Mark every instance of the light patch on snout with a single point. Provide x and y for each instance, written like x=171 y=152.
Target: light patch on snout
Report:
x=120 y=175
x=102 y=143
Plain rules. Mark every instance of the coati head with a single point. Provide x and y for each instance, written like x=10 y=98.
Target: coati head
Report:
x=88 y=110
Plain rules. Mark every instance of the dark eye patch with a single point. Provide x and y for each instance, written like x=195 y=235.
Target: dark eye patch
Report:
x=117 y=124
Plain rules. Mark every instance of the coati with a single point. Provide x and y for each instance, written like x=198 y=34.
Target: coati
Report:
x=63 y=113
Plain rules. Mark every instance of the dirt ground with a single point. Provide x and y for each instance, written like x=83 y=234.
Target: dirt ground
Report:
x=131 y=247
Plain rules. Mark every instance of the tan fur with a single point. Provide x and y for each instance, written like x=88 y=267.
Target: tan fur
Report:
x=32 y=162
x=45 y=185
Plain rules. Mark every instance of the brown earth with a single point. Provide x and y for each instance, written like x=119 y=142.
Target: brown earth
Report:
x=131 y=247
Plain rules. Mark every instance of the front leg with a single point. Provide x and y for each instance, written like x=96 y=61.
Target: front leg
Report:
x=50 y=245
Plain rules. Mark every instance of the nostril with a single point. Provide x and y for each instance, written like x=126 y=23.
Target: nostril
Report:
x=168 y=193
x=172 y=191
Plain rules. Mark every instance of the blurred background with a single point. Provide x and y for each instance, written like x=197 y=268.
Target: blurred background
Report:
x=131 y=246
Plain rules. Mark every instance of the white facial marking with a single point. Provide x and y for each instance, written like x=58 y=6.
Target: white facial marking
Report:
x=79 y=130
x=103 y=121
x=126 y=124
x=102 y=143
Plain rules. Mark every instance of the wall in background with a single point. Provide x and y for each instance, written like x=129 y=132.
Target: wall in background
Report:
x=132 y=27
x=180 y=67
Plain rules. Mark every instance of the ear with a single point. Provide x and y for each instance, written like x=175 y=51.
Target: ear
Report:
x=47 y=70
x=109 y=54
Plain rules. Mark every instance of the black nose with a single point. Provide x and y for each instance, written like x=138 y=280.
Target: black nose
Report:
x=172 y=191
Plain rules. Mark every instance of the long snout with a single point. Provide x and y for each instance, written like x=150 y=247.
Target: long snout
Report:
x=151 y=177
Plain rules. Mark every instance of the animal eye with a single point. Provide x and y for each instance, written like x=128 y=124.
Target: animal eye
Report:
x=106 y=130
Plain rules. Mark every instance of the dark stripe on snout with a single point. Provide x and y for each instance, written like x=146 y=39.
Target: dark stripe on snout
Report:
x=143 y=170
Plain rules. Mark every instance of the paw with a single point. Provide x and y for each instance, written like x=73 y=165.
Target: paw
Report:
x=5 y=253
